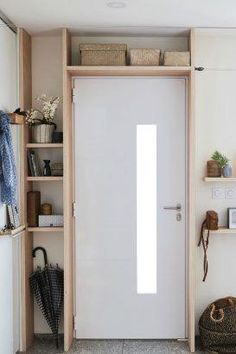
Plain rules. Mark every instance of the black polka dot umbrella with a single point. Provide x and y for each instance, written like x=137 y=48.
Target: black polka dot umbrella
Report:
x=47 y=285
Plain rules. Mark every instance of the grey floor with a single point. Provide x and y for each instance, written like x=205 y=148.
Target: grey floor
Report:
x=44 y=345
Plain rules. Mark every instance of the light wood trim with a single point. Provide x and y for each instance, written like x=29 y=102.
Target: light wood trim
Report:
x=66 y=50
x=220 y=179
x=25 y=102
x=128 y=71
x=68 y=198
x=191 y=203
x=45 y=178
x=44 y=146
x=46 y=229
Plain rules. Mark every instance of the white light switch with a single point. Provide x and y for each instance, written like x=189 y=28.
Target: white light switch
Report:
x=218 y=193
x=230 y=193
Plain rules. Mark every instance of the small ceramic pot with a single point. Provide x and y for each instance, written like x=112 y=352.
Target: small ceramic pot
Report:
x=42 y=133
x=227 y=171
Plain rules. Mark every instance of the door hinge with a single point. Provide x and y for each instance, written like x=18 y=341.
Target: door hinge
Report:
x=74 y=95
x=199 y=68
x=74 y=210
x=74 y=323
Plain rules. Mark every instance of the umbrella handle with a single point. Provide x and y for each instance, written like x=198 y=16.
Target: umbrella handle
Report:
x=44 y=253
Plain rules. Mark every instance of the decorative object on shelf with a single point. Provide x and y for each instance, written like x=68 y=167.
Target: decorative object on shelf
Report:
x=51 y=220
x=57 y=137
x=223 y=162
x=46 y=209
x=210 y=223
x=47 y=285
x=33 y=207
x=57 y=169
x=227 y=170
x=145 y=57
x=33 y=163
x=13 y=217
x=232 y=218
x=103 y=54
x=217 y=326
x=41 y=122
x=213 y=169
x=177 y=58
x=47 y=169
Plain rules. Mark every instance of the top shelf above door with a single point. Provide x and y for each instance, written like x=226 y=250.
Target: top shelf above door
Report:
x=129 y=70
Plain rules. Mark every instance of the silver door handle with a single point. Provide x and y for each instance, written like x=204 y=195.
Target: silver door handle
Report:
x=178 y=207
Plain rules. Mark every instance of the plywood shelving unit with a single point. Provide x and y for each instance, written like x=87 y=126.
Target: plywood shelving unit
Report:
x=70 y=71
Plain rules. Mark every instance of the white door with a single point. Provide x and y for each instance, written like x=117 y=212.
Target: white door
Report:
x=130 y=163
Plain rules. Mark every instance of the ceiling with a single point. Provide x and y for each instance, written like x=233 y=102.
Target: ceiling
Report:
x=94 y=15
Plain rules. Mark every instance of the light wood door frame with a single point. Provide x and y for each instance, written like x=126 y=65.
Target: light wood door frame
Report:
x=71 y=71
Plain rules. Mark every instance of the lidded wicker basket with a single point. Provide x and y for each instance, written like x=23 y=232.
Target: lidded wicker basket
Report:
x=177 y=58
x=103 y=54
x=149 y=57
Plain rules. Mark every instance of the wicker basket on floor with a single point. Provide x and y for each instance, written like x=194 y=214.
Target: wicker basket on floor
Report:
x=103 y=54
x=143 y=57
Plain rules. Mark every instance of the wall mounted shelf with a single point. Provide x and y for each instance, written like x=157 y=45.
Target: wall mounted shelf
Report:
x=220 y=179
x=223 y=230
x=45 y=179
x=44 y=146
x=46 y=229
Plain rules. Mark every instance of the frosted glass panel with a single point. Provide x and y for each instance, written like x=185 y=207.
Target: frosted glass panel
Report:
x=146 y=208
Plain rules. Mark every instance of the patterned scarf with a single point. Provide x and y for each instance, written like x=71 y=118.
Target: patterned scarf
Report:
x=8 y=177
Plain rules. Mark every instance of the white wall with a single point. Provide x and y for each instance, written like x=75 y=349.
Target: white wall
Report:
x=47 y=78
x=215 y=129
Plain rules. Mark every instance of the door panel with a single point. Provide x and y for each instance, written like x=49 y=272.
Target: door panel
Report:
x=106 y=118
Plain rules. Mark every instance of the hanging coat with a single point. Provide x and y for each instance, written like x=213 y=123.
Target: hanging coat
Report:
x=8 y=177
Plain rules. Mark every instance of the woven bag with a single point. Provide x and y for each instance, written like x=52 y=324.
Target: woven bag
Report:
x=217 y=326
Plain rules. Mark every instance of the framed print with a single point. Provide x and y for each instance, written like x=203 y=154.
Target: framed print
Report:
x=232 y=218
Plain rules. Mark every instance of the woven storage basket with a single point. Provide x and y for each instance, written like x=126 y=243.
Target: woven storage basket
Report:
x=217 y=326
x=144 y=57
x=103 y=54
x=177 y=58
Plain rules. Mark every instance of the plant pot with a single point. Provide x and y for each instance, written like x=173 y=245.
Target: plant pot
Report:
x=42 y=133
x=213 y=169
x=227 y=171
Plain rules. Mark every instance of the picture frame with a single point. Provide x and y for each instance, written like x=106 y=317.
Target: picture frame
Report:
x=232 y=218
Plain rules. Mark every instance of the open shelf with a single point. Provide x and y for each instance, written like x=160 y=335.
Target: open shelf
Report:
x=129 y=70
x=46 y=229
x=13 y=232
x=220 y=179
x=45 y=178
x=223 y=230
x=44 y=146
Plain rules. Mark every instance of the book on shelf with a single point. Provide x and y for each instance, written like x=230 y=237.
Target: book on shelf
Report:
x=13 y=216
x=33 y=163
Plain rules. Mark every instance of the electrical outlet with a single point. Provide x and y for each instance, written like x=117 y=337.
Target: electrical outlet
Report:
x=218 y=193
x=230 y=193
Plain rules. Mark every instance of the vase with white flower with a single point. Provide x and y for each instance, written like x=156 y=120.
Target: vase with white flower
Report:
x=42 y=121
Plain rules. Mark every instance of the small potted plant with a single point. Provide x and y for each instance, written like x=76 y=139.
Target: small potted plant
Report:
x=223 y=162
x=41 y=121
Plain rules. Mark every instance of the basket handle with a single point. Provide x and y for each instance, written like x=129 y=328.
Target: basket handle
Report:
x=44 y=254
x=221 y=311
